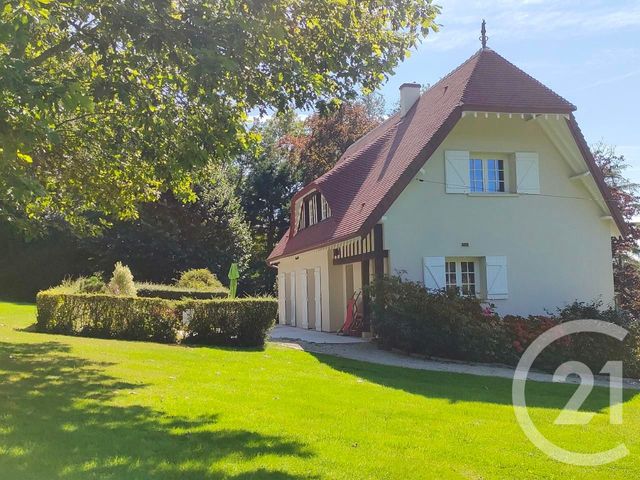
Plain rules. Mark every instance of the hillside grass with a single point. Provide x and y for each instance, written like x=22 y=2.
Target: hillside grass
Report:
x=78 y=408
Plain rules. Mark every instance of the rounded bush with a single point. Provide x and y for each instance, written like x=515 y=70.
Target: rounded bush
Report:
x=198 y=278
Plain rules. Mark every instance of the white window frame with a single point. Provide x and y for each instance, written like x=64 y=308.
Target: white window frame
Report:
x=459 y=284
x=485 y=158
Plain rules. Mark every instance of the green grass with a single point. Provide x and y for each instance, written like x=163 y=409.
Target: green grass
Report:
x=78 y=408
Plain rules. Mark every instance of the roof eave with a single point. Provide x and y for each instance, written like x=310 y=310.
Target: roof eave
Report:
x=597 y=175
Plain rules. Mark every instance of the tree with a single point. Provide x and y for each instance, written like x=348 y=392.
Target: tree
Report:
x=626 y=195
x=267 y=187
x=108 y=103
x=170 y=236
x=328 y=135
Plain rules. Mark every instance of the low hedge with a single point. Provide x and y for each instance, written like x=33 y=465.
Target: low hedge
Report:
x=108 y=316
x=443 y=324
x=239 y=321
x=170 y=292
x=244 y=321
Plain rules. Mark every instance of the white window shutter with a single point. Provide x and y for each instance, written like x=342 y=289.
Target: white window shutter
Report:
x=527 y=173
x=497 y=286
x=456 y=171
x=433 y=272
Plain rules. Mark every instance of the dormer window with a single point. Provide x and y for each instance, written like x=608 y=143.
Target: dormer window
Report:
x=312 y=209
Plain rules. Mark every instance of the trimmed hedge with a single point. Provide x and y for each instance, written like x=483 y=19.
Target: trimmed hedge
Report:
x=108 y=316
x=244 y=321
x=169 y=292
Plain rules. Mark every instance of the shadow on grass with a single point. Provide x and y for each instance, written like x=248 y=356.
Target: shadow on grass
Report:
x=457 y=387
x=59 y=418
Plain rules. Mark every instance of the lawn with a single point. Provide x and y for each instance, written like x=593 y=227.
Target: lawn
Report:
x=77 y=408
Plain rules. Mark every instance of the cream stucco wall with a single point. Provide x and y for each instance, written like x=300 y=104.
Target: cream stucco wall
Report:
x=331 y=286
x=557 y=248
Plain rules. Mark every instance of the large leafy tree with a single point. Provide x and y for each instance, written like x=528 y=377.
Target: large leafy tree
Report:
x=328 y=135
x=626 y=194
x=108 y=103
x=168 y=237
x=268 y=182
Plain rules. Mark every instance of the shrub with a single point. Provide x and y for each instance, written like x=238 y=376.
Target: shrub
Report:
x=244 y=321
x=520 y=332
x=444 y=324
x=92 y=284
x=238 y=321
x=171 y=292
x=108 y=316
x=121 y=282
x=198 y=278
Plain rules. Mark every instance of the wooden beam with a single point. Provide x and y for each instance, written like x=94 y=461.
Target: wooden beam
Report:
x=378 y=251
x=580 y=175
x=359 y=258
x=366 y=323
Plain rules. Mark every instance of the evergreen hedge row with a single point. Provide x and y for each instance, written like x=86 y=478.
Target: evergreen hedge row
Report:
x=170 y=292
x=243 y=321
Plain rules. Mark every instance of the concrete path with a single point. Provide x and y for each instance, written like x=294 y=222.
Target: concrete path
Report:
x=366 y=351
x=282 y=332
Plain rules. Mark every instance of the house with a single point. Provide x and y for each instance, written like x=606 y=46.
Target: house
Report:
x=484 y=182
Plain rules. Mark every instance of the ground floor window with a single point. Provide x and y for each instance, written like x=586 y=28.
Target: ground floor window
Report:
x=461 y=274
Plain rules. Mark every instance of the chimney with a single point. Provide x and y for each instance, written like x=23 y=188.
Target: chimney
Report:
x=409 y=93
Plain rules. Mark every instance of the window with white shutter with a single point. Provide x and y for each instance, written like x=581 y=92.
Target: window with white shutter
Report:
x=527 y=173
x=456 y=171
x=497 y=285
x=434 y=273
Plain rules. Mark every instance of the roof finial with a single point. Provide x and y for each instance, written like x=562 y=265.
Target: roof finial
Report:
x=483 y=36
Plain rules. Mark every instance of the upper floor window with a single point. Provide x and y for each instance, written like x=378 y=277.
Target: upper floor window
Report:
x=474 y=173
x=312 y=209
x=487 y=175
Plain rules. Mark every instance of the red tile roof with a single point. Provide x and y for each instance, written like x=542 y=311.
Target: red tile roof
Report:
x=374 y=170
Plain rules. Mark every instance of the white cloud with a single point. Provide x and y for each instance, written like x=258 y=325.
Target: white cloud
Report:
x=522 y=20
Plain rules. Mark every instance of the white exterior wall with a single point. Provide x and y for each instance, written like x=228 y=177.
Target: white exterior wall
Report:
x=331 y=286
x=558 y=249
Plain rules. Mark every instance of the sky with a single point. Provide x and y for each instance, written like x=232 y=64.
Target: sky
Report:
x=587 y=51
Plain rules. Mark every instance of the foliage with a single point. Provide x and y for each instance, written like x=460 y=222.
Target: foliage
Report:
x=108 y=316
x=211 y=232
x=626 y=195
x=329 y=135
x=444 y=324
x=520 y=332
x=198 y=278
x=238 y=321
x=266 y=184
x=107 y=103
x=121 y=282
x=91 y=284
x=441 y=324
x=171 y=292
x=595 y=350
